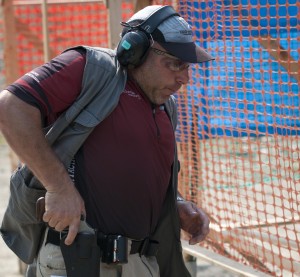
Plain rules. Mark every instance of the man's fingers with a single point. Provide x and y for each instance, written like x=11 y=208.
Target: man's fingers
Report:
x=204 y=220
x=200 y=227
x=59 y=227
x=196 y=239
x=72 y=232
x=46 y=217
x=52 y=223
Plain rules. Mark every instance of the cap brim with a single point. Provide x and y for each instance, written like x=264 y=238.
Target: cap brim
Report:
x=187 y=52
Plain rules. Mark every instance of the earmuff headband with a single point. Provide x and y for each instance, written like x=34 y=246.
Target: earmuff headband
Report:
x=156 y=18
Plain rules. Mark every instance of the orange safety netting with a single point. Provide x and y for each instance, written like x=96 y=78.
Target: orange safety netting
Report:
x=238 y=133
x=69 y=24
x=239 y=118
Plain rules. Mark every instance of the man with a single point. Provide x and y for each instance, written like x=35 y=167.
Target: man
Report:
x=123 y=181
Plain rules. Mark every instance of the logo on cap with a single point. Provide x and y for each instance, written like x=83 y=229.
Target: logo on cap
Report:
x=186 y=32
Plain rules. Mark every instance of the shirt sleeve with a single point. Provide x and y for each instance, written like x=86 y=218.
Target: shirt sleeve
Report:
x=54 y=86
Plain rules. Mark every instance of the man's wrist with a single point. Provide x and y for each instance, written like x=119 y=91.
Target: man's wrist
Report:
x=179 y=198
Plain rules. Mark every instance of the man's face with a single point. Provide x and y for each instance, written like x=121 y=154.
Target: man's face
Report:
x=161 y=75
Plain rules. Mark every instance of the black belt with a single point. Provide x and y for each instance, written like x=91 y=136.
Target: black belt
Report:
x=145 y=247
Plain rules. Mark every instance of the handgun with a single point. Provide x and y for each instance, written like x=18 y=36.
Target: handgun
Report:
x=40 y=208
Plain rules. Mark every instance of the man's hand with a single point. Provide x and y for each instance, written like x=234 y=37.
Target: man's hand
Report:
x=193 y=220
x=63 y=209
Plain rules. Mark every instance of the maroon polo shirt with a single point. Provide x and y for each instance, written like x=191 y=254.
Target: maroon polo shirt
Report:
x=124 y=167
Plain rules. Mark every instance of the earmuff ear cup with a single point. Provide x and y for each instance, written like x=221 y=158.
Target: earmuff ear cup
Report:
x=133 y=48
x=136 y=36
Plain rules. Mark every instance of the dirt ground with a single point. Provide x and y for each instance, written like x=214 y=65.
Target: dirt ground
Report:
x=9 y=263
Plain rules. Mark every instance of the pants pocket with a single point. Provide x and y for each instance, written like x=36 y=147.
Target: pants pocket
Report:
x=50 y=262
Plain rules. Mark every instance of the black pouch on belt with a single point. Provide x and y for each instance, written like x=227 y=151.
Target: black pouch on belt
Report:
x=82 y=257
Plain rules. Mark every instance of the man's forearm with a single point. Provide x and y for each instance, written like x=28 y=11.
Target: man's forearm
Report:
x=20 y=124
